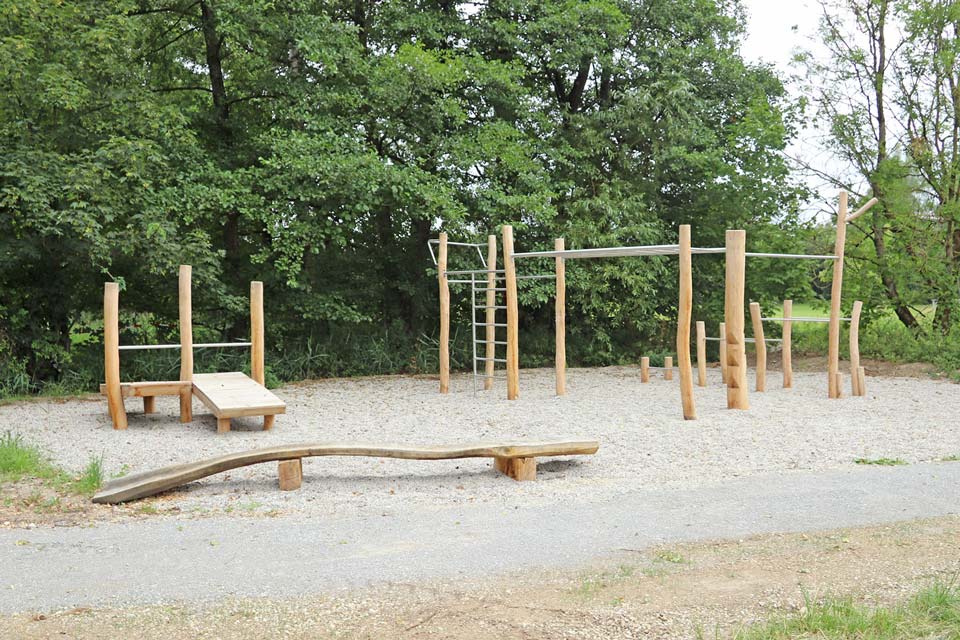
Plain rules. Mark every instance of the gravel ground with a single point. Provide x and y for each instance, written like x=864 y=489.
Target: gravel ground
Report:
x=644 y=440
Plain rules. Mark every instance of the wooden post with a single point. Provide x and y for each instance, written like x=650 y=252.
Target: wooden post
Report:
x=787 y=346
x=444 y=315
x=111 y=354
x=723 y=352
x=668 y=368
x=760 y=344
x=149 y=404
x=836 y=294
x=290 y=473
x=560 y=319
x=520 y=469
x=684 y=313
x=838 y=382
x=513 y=331
x=491 y=316
x=736 y=246
x=256 y=332
x=855 y=349
x=644 y=369
x=701 y=353
x=186 y=342
x=862 y=377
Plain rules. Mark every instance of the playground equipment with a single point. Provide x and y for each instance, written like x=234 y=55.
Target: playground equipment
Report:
x=227 y=395
x=733 y=341
x=514 y=459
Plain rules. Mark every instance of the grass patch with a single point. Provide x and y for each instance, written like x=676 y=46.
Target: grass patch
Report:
x=19 y=460
x=672 y=557
x=932 y=613
x=881 y=462
x=953 y=458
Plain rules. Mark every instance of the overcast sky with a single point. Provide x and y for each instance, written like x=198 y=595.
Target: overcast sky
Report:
x=775 y=30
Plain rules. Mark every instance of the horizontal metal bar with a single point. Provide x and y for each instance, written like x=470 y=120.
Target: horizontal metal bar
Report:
x=496 y=306
x=479 y=341
x=467 y=272
x=746 y=339
x=797 y=256
x=802 y=319
x=457 y=244
x=494 y=359
x=540 y=277
x=198 y=345
x=490 y=324
x=603 y=252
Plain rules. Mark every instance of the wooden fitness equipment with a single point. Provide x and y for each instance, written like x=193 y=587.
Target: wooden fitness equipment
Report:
x=227 y=395
x=515 y=459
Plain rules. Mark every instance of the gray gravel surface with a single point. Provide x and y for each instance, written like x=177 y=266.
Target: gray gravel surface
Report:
x=644 y=440
x=196 y=560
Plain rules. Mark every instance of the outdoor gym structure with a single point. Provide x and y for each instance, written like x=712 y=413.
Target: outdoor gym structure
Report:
x=487 y=281
x=227 y=395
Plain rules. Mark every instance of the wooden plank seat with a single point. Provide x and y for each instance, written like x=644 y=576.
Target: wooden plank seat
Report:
x=515 y=459
x=234 y=395
x=227 y=395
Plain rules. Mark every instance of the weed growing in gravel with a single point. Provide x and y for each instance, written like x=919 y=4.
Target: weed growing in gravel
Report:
x=91 y=478
x=933 y=613
x=953 y=458
x=672 y=557
x=880 y=462
x=19 y=460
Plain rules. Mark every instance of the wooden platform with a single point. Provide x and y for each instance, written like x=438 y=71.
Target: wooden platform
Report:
x=516 y=459
x=234 y=395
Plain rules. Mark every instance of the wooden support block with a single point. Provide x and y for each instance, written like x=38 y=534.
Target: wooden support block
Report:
x=644 y=369
x=290 y=473
x=223 y=425
x=519 y=469
x=149 y=404
x=668 y=368
x=268 y=422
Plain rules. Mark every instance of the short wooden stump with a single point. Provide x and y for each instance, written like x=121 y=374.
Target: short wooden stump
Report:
x=519 y=469
x=290 y=473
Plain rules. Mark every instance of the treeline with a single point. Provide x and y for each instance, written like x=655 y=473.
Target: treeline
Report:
x=318 y=144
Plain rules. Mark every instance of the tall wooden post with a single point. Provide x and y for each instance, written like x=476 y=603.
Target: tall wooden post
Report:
x=513 y=320
x=684 y=312
x=701 y=353
x=761 y=345
x=111 y=354
x=836 y=294
x=736 y=247
x=855 y=380
x=444 y=315
x=560 y=319
x=256 y=332
x=787 y=345
x=186 y=342
x=491 y=316
x=723 y=352
x=668 y=369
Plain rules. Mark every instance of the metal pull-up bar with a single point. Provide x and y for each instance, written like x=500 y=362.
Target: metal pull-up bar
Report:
x=200 y=345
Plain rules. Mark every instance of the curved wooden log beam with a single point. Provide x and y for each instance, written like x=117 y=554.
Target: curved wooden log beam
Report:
x=862 y=210
x=148 y=483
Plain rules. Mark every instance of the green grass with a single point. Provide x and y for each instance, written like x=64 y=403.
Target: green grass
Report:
x=953 y=458
x=932 y=613
x=880 y=462
x=19 y=460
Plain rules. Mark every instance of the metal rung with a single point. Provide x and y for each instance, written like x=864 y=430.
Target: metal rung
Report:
x=496 y=306
x=466 y=272
x=479 y=341
x=540 y=277
x=494 y=359
x=490 y=324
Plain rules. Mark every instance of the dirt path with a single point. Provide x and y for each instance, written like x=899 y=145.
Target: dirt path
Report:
x=664 y=592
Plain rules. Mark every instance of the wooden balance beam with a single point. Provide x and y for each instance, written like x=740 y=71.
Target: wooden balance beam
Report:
x=515 y=459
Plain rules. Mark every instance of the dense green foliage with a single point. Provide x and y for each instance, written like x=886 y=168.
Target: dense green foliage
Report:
x=318 y=144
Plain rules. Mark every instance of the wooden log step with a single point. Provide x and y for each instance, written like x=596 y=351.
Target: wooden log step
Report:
x=516 y=459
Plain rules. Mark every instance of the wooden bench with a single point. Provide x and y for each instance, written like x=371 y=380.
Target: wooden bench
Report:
x=515 y=459
x=227 y=395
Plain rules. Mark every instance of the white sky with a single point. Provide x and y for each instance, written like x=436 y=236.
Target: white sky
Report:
x=775 y=30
